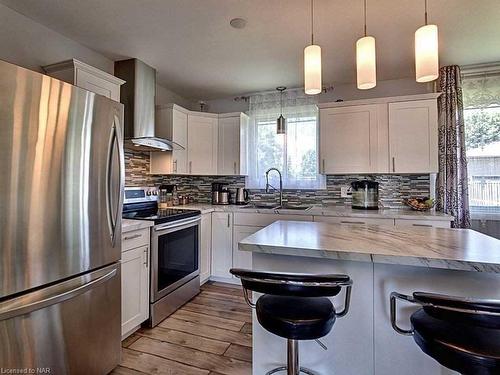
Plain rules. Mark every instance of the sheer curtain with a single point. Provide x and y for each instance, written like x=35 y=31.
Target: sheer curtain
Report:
x=295 y=153
x=481 y=90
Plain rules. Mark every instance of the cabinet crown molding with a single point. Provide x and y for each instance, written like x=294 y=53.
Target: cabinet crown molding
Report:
x=77 y=64
x=198 y=113
x=384 y=100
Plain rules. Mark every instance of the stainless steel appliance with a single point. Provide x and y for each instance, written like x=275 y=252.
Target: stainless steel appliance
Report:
x=61 y=162
x=175 y=251
x=242 y=196
x=220 y=193
x=365 y=195
x=138 y=96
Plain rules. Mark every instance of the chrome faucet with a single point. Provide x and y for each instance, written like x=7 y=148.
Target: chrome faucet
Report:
x=268 y=185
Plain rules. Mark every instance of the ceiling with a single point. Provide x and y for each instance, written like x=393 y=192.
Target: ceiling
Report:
x=198 y=55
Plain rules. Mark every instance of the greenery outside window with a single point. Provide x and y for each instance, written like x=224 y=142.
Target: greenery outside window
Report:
x=482 y=137
x=295 y=153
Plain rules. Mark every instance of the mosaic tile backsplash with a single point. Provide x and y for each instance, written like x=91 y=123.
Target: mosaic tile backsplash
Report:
x=392 y=189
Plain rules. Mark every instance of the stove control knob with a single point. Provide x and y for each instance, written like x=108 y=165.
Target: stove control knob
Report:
x=148 y=193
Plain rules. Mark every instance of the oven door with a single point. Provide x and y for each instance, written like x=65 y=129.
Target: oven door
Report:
x=175 y=255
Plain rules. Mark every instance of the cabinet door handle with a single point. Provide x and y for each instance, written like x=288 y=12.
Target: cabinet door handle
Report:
x=393 y=164
x=234 y=167
x=422 y=225
x=323 y=165
x=228 y=220
x=352 y=222
x=133 y=237
x=175 y=166
x=190 y=166
x=146 y=258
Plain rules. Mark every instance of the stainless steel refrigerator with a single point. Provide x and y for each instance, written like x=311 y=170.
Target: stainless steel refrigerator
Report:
x=61 y=178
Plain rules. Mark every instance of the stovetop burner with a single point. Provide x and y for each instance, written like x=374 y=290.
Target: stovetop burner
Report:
x=160 y=216
x=141 y=203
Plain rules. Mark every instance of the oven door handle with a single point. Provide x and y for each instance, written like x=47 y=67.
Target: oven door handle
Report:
x=176 y=224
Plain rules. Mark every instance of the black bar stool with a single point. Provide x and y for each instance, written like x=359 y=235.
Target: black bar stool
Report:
x=295 y=307
x=462 y=334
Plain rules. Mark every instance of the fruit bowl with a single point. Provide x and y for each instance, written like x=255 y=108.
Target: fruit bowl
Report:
x=420 y=204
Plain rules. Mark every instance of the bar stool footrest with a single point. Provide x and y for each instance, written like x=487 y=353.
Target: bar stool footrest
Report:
x=303 y=370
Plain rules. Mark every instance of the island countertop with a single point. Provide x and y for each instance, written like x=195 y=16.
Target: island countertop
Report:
x=456 y=249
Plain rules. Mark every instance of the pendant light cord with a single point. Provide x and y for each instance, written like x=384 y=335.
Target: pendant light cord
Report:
x=312 y=22
x=281 y=103
x=425 y=11
x=365 y=17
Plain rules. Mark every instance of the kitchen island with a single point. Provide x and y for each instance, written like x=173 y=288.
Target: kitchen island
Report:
x=379 y=260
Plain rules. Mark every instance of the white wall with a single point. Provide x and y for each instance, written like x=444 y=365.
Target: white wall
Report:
x=29 y=44
x=405 y=86
x=165 y=96
x=32 y=45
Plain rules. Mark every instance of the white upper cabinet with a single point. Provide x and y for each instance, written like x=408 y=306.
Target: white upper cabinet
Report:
x=352 y=140
x=232 y=153
x=413 y=136
x=383 y=135
x=202 y=144
x=171 y=122
x=87 y=77
x=212 y=144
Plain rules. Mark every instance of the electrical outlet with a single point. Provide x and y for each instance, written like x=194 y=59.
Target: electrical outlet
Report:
x=345 y=191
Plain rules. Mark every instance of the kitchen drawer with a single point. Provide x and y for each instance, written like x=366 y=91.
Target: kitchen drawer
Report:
x=354 y=220
x=262 y=220
x=423 y=223
x=136 y=238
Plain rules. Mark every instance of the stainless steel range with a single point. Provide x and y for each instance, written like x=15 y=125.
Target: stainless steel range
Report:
x=175 y=251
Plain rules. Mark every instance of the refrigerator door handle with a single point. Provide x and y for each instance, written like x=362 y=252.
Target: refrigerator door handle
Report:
x=53 y=295
x=121 y=185
x=114 y=213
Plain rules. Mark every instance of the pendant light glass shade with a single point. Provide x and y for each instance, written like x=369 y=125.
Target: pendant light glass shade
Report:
x=281 y=121
x=312 y=69
x=281 y=125
x=366 y=63
x=426 y=53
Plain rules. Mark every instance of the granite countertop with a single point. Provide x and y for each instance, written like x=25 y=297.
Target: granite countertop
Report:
x=457 y=249
x=388 y=213
x=129 y=225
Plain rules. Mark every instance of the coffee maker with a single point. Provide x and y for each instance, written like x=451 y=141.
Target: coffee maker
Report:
x=220 y=193
x=365 y=195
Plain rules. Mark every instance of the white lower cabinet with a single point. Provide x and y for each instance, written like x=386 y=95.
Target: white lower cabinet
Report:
x=242 y=259
x=222 y=244
x=423 y=223
x=354 y=220
x=135 y=288
x=205 y=247
x=222 y=231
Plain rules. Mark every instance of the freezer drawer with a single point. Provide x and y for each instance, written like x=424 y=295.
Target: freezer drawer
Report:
x=68 y=328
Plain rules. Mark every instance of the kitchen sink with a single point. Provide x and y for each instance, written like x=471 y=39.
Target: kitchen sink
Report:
x=274 y=207
x=260 y=206
x=299 y=208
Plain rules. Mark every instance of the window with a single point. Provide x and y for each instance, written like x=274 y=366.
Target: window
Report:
x=482 y=139
x=295 y=153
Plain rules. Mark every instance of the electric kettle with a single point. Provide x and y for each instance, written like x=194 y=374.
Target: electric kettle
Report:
x=242 y=196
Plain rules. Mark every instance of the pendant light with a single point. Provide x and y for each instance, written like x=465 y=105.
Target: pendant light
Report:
x=281 y=121
x=312 y=63
x=426 y=52
x=366 y=63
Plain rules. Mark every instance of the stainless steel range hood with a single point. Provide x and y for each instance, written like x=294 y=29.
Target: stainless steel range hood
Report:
x=138 y=97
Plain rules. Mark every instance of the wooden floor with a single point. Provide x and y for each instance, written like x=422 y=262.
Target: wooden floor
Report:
x=211 y=334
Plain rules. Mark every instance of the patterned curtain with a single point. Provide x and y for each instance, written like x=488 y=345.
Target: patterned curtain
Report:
x=452 y=188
